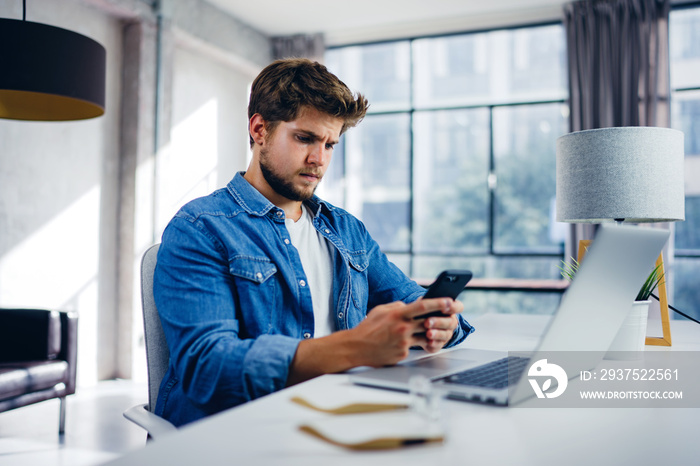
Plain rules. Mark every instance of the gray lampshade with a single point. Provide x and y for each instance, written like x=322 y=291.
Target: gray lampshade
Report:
x=634 y=174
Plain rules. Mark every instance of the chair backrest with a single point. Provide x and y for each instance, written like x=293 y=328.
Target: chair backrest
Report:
x=157 y=352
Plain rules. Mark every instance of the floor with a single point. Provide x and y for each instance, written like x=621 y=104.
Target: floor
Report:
x=96 y=431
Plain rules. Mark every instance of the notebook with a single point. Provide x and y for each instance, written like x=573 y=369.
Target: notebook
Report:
x=586 y=321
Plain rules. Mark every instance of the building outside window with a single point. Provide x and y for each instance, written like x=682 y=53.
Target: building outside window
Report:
x=684 y=29
x=453 y=166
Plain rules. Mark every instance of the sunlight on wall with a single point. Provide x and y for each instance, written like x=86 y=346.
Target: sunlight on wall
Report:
x=56 y=268
x=188 y=168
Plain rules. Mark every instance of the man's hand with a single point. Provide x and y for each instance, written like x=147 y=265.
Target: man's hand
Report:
x=391 y=329
x=382 y=339
x=438 y=329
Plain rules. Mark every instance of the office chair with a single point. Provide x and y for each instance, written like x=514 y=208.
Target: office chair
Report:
x=157 y=354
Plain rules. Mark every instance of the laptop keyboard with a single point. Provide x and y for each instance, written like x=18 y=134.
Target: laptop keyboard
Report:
x=495 y=374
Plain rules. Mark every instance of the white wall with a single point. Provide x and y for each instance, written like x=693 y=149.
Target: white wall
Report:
x=66 y=188
x=207 y=145
x=57 y=191
x=208 y=138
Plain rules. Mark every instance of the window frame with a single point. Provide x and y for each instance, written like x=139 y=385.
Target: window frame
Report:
x=687 y=253
x=411 y=254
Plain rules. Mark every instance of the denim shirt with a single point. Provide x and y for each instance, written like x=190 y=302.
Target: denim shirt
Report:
x=234 y=303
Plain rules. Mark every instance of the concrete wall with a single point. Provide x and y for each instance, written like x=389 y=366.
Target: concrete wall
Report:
x=58 y=194
x=80 y=201
x=208 y=137
x=203 y=144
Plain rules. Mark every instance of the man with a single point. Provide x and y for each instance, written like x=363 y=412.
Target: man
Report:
x=261 y=284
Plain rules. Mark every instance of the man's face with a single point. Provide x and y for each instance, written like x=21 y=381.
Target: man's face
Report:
x=295 y=156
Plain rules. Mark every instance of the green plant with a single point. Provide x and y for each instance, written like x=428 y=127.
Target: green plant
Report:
x=652 y=282
x=569 y=269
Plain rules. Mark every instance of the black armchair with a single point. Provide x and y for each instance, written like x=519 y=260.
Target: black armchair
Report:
x=38 y=357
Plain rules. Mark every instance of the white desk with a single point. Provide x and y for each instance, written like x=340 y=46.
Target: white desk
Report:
x=264 y=431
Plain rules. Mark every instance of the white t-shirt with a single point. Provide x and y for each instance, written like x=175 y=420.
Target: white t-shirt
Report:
x=315 y=255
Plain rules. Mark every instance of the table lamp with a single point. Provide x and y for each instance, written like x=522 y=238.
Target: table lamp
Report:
x=622 y=174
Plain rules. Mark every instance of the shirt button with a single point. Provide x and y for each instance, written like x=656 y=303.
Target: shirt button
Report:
x=286 y=241
x=302 y=282
x=279 y=213
x=340 y=315
x=258 y=275
x=327 y=230
x=307 y=335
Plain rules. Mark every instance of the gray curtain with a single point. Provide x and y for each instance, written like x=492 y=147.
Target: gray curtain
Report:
x=618 y=70
x=310 y=46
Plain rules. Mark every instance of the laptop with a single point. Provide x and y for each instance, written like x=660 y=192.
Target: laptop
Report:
x=589 y=315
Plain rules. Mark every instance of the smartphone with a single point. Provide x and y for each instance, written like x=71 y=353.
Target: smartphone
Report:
x=449 y=284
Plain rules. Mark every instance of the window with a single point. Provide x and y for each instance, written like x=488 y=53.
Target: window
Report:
x=685 y=116
x=454 y=165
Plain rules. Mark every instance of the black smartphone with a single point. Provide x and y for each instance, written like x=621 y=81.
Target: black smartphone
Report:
x=449 y=284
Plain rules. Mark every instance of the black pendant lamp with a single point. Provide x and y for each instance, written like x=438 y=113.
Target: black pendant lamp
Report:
x=48 y=73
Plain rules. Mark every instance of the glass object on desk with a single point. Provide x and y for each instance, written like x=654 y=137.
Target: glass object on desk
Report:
x=425 y=399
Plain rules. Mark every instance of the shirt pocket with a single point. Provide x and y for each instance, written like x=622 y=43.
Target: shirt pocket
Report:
x=359 y=261
x=256 y=293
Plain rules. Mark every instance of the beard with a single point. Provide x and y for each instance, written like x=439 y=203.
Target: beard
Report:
x=281 y=186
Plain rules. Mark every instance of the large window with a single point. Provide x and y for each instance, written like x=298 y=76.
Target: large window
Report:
x=454 y=165
x=685 y=116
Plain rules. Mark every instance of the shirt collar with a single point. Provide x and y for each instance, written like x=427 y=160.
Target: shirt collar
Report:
x=254 y=203
x=249 y=198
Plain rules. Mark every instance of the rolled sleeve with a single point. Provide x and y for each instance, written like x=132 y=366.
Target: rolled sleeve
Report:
x=265 y=367
x=215 y=363
x=463 y=330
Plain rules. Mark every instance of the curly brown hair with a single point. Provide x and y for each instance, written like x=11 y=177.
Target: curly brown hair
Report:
x=284 y=86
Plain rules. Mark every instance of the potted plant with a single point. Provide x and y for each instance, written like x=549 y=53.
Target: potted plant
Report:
x=632 y=333
x=568 y=271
